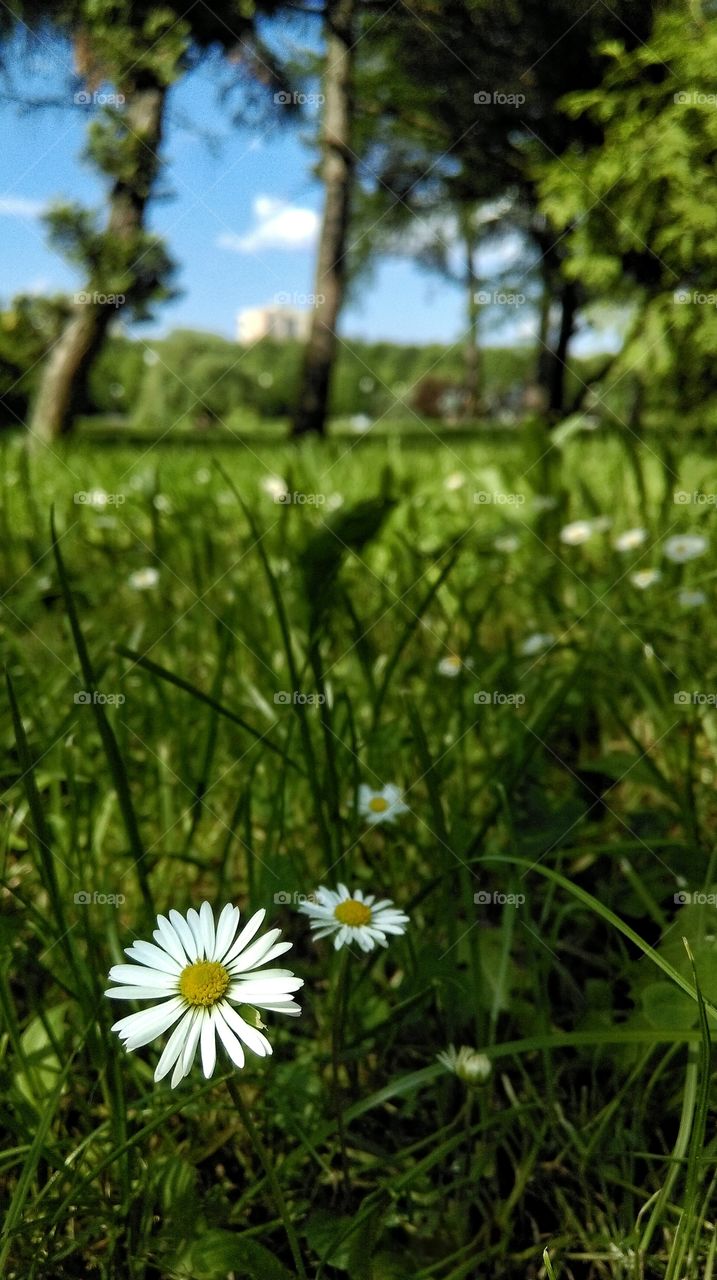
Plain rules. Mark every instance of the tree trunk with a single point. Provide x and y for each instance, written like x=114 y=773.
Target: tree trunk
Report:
x=64 y=379
x=471 y=355
x=337 y=175
x=554 y=346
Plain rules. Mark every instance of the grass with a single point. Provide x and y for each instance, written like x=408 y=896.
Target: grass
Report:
x=557 y=860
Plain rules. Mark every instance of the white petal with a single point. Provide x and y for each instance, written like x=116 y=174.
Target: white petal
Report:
x=174 y=1046
x=251 y=1037
x=206 y=923
x=155 y=957
x=138 y=993
x=343 y=893
x=185 y=935
x=238 y=965
x=170 y=939
x=255 y=953
x=246 y=934
x=143 y=1035
x=131 y=1023
x=143 y=976
x=229 y=1040
x=226 y=929
x=190 y=1047
x=208 y=1044
x=195 y=925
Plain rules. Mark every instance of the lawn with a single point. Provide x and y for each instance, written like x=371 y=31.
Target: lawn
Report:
x=223 y=646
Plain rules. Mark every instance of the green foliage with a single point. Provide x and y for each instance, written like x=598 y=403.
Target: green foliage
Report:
x=639 y=212
x=28 y=328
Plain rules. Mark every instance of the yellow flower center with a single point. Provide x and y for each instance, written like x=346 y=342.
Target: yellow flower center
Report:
x=204 y=982
x=353 y=913
x=378 y=804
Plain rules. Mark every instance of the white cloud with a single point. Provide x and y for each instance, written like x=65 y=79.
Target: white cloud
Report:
x=277 y=226
x=20 y=207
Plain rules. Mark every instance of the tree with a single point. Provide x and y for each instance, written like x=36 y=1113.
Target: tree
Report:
x=638 y=215
x=141 y=49
x=337 y=174
x=479 y=120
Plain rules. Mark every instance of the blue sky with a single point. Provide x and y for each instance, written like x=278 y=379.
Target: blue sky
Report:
x=240 y=217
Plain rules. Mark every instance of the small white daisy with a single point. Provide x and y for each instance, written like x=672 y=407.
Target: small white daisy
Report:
x=506 y=543
x=468 y=1064
x=451 y=665
x=691 y=599
x=454 y=481
x=536 y=643
x=353 y=917
x=630 y=540
x=200 y=972
x=144 y=579
x=382 y=805
x=162 y=503
x=275 y=487
x=684 y=547
x=644 y=578
x=577 y=532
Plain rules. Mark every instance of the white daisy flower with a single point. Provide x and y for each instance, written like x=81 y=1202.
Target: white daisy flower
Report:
x=468 y=1064
x=630 y=540
x=144 y=579
x=382 y=805
x=454 y=481
x=451 y=665
x=691 y=599
x=536 y=643
x=506 y=543
x=685 y=546
x=644 y=578
x=353 y=917
x=162 y=503
x=577 y=532
x=200 y=973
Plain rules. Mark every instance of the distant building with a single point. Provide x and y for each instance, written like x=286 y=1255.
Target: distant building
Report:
x=276 y=321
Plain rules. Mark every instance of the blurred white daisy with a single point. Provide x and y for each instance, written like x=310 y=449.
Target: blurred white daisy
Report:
x=468 y=1064
x=382 y=805
x=685 y=546
x=644 y=578
x=200 y=973
x=144 y=579
x=162 y=503
x=353 y=917
x=506 y=543
x=577 y=532
x=630 y=540
x=455 y=480
x=691 y=599
x=275 y=487
x=536 y=643
x=451 y=665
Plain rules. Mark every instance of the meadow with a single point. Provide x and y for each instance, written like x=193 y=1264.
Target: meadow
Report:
x=210 y=651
